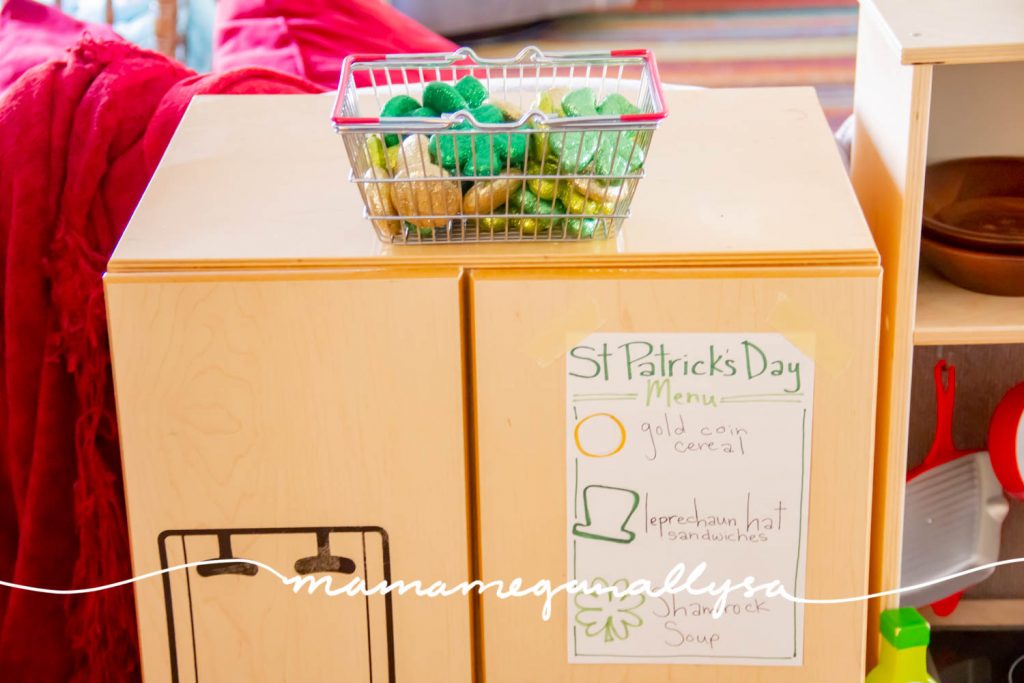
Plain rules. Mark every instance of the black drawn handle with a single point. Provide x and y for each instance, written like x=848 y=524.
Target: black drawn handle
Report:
x=222 y=568
x=323 y=561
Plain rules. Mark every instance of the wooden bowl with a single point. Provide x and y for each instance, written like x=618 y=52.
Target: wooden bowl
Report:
x=977 y=203
x=980 y=271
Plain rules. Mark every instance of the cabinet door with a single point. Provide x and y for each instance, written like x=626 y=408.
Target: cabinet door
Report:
x=524 y=325
x=313 y=422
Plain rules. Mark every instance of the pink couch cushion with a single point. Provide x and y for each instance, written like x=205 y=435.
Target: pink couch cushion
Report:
x=31 y=34
x=309 y=38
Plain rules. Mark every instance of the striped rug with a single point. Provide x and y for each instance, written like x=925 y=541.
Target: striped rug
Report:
x=719 y=43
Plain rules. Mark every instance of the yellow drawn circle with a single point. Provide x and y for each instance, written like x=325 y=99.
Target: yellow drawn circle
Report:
x=618 y=423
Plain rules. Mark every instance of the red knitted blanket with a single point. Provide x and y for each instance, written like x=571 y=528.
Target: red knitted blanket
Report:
x=79 y=138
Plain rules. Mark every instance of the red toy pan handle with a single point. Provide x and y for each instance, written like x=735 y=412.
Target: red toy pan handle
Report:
x=945 y=402
x=946 y=605
x=943 y=450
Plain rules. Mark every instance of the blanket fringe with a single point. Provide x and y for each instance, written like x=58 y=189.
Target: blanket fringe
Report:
x=101 y=625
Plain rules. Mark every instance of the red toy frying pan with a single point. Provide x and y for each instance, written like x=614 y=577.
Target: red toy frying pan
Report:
x=954 y=512
x=1006 y=441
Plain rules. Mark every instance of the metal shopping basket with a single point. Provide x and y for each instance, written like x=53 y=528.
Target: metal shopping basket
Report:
x=534 y=174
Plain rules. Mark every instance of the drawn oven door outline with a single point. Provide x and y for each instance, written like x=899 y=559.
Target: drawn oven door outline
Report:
x=234 y=621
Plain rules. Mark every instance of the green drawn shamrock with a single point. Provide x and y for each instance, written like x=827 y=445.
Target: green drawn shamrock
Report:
x=608 y=614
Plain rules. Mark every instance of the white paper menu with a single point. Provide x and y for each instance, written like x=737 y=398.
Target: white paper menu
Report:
x=687 y=448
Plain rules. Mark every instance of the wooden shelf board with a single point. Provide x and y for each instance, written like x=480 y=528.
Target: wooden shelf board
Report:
x=981 y=613
x=954 y=31
x=947 y=314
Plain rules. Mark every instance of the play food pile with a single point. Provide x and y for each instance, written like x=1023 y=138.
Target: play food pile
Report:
x=563 y=182
x=974 y=223
x=477 y=154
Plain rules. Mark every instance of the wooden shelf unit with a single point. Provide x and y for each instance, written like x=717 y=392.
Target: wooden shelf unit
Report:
x=931 y=78
x=971 y=614
x=266 y=387
x=947 y=314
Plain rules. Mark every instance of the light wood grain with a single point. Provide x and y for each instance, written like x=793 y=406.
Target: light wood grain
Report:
x=976 y=110
x=522 y=325
x=953 y=31
x=981 y=614
x=269 y=402
x=887 y=169
x=733 y=177
x=948 y=314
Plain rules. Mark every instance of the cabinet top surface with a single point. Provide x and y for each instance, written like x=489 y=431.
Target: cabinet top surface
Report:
x=734 y=177
x=954 y=31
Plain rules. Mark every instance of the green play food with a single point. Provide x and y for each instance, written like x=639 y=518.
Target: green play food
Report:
x=443 y=98
x=574 y=151
x=616 y=105
x=425 y=112
x=578 y=203
x=488 y=113
x=443 y=146
x=494 y=147
x=398 y=106
x=525 y=201
x=581 y=102
x=595 y=158
x=486 y=164
x=471 y=154
x=617 y=155
x=472 y=90
x=580 y=227
x=550 y=102
x=517 y=149
x=465 y=153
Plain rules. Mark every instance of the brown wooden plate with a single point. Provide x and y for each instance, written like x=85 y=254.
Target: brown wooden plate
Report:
x=976 y=203
x=986 y=272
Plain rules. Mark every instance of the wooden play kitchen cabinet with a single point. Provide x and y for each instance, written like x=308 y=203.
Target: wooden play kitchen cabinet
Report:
x=937 y=80
x=292 y=391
